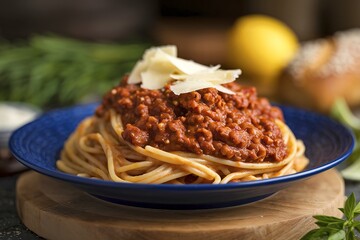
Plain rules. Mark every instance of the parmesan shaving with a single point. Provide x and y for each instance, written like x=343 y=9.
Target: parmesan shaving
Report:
x=186 y=66
x=216 y=77
x=160 y=65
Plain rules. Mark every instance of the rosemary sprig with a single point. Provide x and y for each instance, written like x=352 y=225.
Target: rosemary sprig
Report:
x=51 y=71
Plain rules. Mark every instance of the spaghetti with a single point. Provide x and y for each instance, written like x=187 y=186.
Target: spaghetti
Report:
x=97 y=149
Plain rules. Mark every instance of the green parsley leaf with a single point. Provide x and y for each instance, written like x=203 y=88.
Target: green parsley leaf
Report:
x=342 y=210
x=357 y=209
x=339 y=235
x=350 y=235
x=328 y=219
x=316 y=234
x=333 y=228
x=350 y=206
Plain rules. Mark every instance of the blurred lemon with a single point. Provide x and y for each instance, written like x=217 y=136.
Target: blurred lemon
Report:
x=261 y=46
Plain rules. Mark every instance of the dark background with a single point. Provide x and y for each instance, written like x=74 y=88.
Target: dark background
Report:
x=127 y=19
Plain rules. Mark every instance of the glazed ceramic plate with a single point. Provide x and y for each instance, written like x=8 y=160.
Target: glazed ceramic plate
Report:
x=38 y=144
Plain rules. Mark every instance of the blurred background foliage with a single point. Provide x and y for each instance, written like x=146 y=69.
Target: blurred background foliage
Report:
x=51 y=71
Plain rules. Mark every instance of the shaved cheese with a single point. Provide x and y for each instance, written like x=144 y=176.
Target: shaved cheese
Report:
x=152 y=53
x=180 y=87
x=162 y=78
x=170 y=50
x=217 y=77
x=135 y=76
x=161 y=65
x=223 y=89
x=186 y=86
x=186 y=66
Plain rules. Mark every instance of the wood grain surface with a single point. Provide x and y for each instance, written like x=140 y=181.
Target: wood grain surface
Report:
x=56 y=210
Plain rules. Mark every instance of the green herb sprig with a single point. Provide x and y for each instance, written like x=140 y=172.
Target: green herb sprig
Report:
x=333 y=228
x=52 y=71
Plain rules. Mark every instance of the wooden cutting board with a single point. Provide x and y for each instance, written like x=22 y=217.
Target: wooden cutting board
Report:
x=56 y=210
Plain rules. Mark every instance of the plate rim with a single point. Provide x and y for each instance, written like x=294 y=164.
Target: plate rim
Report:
x=189 y=187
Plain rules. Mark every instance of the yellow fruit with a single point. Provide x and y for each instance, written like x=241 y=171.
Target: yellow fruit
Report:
x=261 y=46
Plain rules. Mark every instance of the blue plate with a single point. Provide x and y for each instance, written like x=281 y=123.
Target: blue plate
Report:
x=37 y=145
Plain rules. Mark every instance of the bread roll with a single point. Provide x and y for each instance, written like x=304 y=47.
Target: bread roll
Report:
x=322 y=71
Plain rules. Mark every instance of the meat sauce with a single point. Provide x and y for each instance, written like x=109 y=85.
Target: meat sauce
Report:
x=240 y=127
